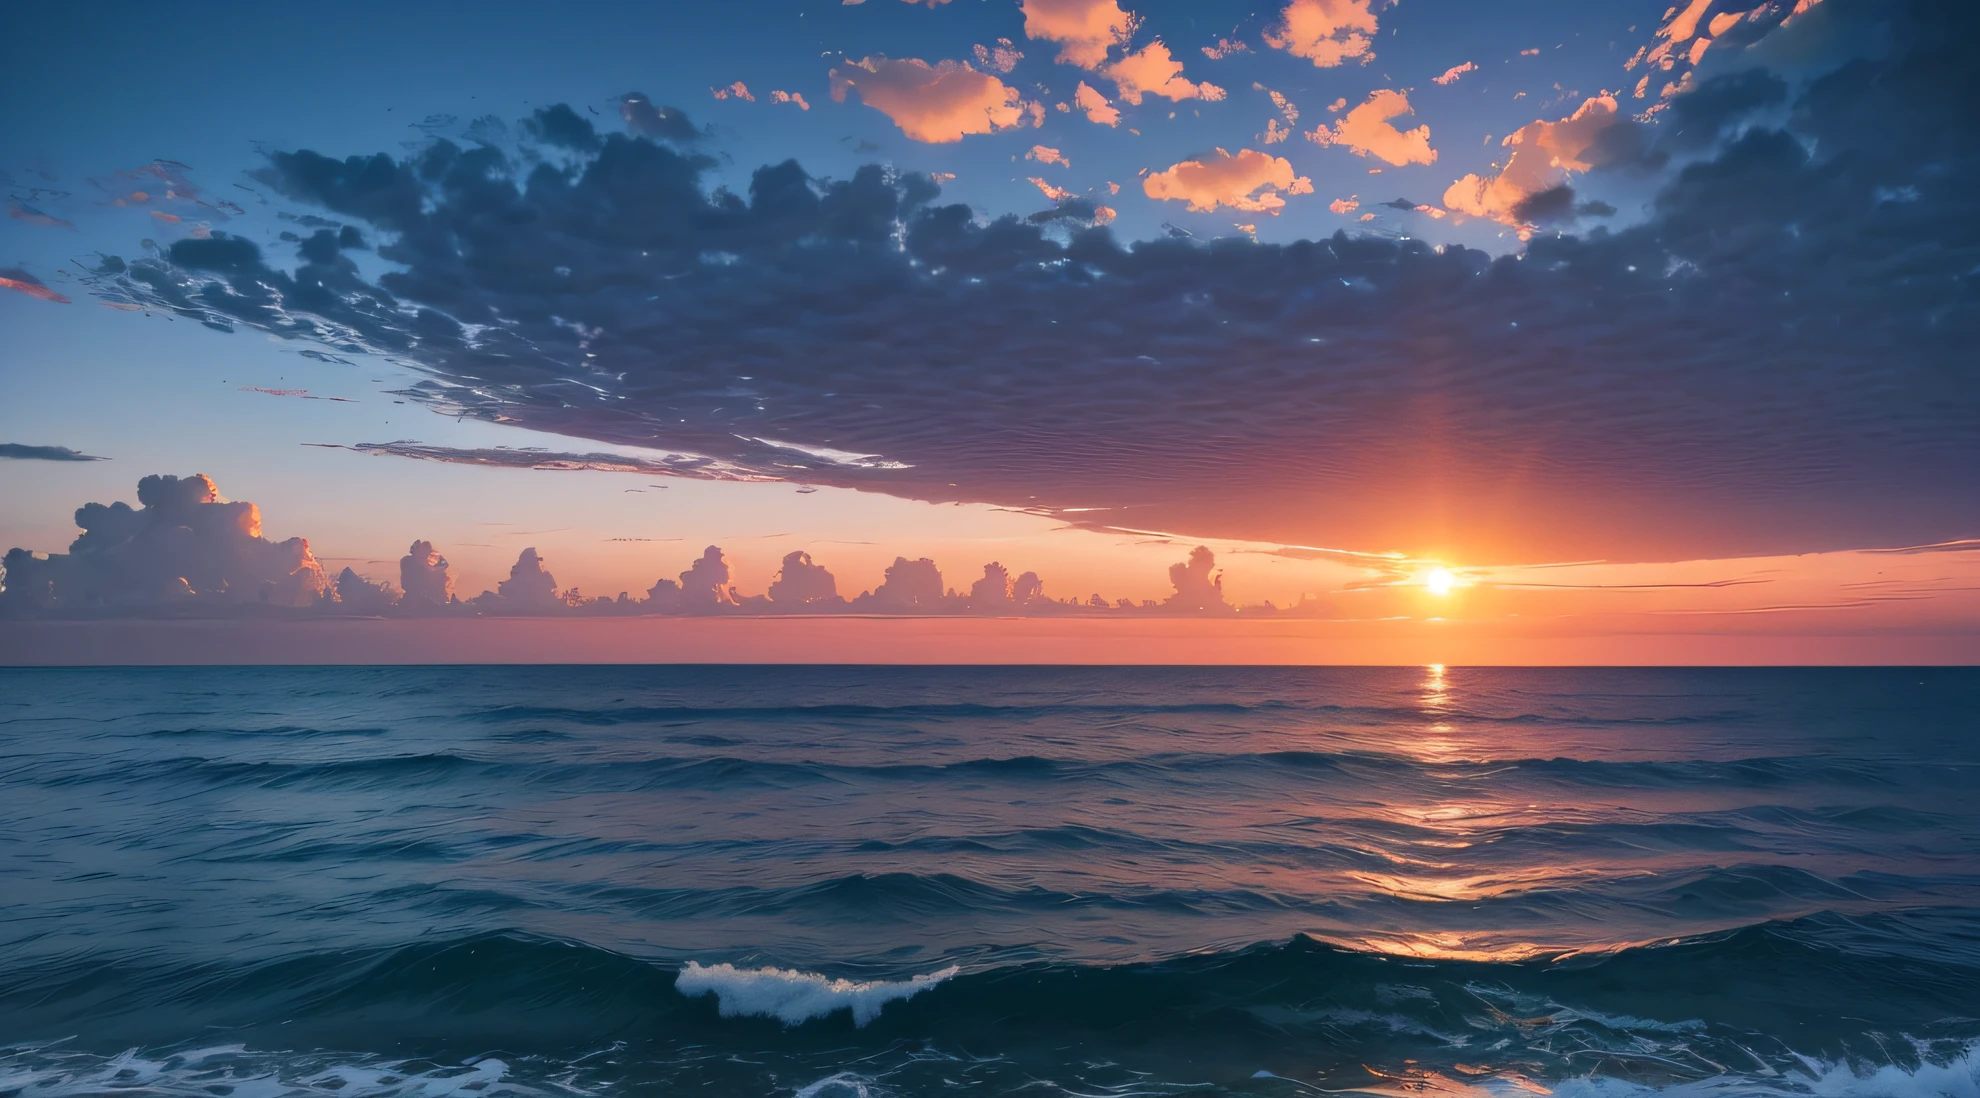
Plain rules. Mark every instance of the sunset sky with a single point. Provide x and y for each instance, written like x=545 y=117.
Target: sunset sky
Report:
x=1535 y=320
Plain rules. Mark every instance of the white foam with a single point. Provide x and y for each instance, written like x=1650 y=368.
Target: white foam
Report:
x=792 y=996
x=235 y=1071
x=1956 y=1076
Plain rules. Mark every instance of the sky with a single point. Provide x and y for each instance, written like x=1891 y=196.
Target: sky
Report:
x=1642 y=322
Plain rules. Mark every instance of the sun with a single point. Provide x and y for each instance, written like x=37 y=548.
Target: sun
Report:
x=1437 y=579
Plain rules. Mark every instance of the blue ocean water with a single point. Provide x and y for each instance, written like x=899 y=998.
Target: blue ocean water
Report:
x=832 y=882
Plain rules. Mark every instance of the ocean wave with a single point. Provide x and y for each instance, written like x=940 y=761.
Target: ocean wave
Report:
x=795 y=997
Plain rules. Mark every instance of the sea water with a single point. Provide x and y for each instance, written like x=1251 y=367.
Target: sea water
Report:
x=833 y=882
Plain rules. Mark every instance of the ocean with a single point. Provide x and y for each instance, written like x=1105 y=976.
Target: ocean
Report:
x=879 y=881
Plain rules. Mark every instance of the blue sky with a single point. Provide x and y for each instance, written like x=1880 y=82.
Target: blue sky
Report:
x=1672 y=376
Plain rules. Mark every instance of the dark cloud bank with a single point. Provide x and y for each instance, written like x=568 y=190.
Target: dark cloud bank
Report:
x=1779 y=357
x=19 y=452
x=183 y=552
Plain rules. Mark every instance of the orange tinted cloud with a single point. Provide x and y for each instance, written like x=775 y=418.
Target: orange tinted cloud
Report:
x=1096 y=106
x=1366 y=131
x=790 y=97
x=1000 y=58
x=1542 y=155
x=738 y=90
x=1451 y=74
x=1344 y=205
x=933 y=103
x=1151 y=71
x=1084 y=29
x=1045 y=154
x=1251 y=181
x=1056 y=194
x=13 y=278
x=1325 y=32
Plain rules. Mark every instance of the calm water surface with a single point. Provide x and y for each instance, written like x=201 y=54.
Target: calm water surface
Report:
x=835 y=882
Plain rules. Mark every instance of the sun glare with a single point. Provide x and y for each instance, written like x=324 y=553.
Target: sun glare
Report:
x=1438 y=580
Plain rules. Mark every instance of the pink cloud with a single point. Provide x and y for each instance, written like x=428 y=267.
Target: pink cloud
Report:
x=1000 y=58
x=1251 y=181
x=738 y=90
x=1084 y=29
x=1096 y=106
x=790 y=97
x=1326 y=32
x=1045 y=154
x=937 y=104
x=1451 y=74
x=1366 y=131
x=1224 y=48
x=1542 y=155
x=1344 y=205
x=1151 y=71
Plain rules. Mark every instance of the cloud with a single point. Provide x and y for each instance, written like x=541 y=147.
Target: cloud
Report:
x=801 y=583
x=1251 y=181
x=1326 y=32
x=18 y=452
x=737 y=90
x=530 y=587
x=642 y=117
x=1084 y=29
x=1000 y=58
x=425 y=578
x=18 y=280
x=1451 y=74
x=1225 y=48
x=1047 y=155
x=529 y=457
x=910 y=586
x=182 y=548
x=779 y=96
x=1151 y=71
x=33 y=216
x=1344 y=205
x=1543 y=153
x=1366 y=131
x=1199 y=589
x=1095 y=105
x=1735 y=370
x=932 y=103
x=1045 y=187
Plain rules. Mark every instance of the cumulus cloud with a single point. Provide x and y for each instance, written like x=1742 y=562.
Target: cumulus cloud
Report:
x=1095 y=105
x=1151 y=71
x=801 y=583
x=1045 y=187
x=658 y=122
x=18 y=452
x=1251 y=181
x=910 y=586
x=1199 y=587
x=938 y=103
x=1694 y=383
x=1543 y=153
x=1045 y=154
x=1367 y=131
x=795 y=98
x=425 y=577
x=530 y=587
x=182 y=548
x=702 y=589
x=1451 y=74
x=1326 y=32
x=1344 y=205
x=1084 y=29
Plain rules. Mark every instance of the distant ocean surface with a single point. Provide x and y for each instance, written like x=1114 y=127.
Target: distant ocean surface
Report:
x=841 y=882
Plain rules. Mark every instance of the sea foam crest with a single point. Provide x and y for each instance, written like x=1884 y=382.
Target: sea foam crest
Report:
x=792 y=996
